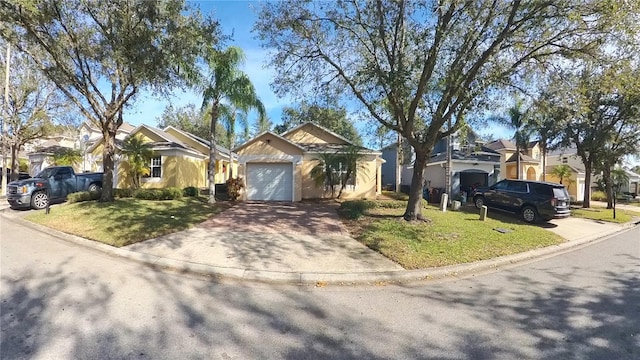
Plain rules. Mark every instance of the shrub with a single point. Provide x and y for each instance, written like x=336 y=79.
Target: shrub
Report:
x=599 y=196
x=124 y=193
x=234 y=186
x=190 y=191
x=83 y=196
x=170 y=193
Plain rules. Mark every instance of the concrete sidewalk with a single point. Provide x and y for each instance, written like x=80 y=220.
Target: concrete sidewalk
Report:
x=308 y=259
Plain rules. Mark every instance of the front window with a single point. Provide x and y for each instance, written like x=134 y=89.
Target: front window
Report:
x=46 y=173
x=156 y=167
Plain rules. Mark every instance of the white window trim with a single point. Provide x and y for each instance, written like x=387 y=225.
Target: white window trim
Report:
x=151 y=166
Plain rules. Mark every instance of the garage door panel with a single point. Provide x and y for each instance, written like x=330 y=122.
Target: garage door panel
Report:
x=269 y=181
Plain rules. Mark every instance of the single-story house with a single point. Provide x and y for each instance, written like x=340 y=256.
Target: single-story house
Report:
x=279 y=167
x=574 y=184
x=180 y=159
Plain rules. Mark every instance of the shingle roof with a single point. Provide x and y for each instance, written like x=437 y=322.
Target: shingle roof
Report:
x=523 y=157
x=461 y=155
x=501 y=144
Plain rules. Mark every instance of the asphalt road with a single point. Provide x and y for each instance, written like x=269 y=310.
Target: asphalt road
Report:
x=62 y=301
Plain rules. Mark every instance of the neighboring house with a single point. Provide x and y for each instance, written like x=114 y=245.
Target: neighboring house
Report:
x=530 y=159
x=574 y=184
x=569 y=156
x=89 y=134
x=180 y=159
x=472 y=164
x=40 y=151
x=633 y=186
x=278 y=167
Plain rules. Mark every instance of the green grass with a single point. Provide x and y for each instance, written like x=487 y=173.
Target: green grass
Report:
x=396 y=195
x=125 y=221
x=447 y=238
x=602 y=214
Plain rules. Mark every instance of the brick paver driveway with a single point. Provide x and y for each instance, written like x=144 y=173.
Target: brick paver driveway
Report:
x=304 y=218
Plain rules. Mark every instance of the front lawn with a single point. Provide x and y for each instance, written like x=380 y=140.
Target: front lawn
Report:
x=449 y=238
x=602 y=214
x=125 y=221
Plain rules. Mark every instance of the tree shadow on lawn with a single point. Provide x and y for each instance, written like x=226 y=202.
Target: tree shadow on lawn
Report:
x=503 y=216
x=159 y=218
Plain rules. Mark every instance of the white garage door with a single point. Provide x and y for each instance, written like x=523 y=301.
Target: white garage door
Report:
x=269 y=181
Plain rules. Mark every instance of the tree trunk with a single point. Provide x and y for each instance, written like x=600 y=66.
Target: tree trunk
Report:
x=399 y=161
x=586 y=202
x=414 y=205
x=14 y=162
x=606 y=175
x=544 y=162
x=213 y=153
x=518 y=162
x=109 y=135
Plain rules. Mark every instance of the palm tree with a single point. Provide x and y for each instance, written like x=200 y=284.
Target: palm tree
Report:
x=237 y=112
x=63 y=156
x=226 y=84
x=349 y=160
x=326 y=171
x=517 y=121
x=138 y=155
x=562 y=172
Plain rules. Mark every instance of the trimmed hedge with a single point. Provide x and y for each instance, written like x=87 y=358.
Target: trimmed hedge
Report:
x=124 y=193
x=83 y=196
x=170 y=193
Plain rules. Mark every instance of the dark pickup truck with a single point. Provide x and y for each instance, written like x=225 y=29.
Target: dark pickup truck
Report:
x=52 y=184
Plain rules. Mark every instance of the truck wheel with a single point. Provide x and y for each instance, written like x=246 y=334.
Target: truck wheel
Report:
x=39 y=200
x=94 y=188
x=529 y=214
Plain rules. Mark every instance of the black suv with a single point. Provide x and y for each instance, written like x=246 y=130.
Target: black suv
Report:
x=535 y=200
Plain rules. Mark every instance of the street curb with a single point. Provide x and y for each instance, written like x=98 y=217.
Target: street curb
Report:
x=311 y=278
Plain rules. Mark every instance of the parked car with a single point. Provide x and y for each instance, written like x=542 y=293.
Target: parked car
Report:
x=52 y=184
x=534 y=200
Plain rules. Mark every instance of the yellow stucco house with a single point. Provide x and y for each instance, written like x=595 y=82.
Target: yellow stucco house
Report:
x=180 y=159
x=278 y=167
x=530 y=160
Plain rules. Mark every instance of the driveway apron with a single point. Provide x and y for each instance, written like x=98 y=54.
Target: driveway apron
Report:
x=285 y=237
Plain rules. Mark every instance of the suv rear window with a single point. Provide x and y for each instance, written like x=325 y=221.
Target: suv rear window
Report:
x=560 y=193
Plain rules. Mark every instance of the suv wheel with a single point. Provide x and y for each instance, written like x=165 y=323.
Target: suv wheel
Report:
x=479 y=202
x=39 y=200
x=529 y=214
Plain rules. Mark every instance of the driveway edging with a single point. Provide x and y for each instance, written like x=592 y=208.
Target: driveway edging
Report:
x=311 y=278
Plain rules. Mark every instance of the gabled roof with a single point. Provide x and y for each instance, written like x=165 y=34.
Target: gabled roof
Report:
x=523 y=157
x=257 y=137
x=197 y=139
x=321 y=128
x=571 y=150
x=501 y=144
x=168 y=141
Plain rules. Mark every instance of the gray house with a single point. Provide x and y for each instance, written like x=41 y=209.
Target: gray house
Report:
x=472 y=165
